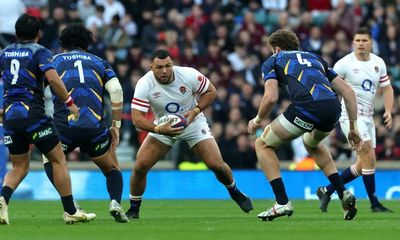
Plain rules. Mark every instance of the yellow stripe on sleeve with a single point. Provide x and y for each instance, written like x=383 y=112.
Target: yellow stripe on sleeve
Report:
x=286 y=67
x=98 y=78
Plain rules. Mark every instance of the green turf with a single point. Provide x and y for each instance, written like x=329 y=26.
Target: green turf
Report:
x=200 y=219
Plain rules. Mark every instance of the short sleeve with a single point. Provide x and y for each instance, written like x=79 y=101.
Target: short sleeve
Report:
x=331 y=74
x=44 y=59
x=340 y=68
x=140 y=100
x=198 y=82
x=268 y=69
x=108 y=71
x=384 y=78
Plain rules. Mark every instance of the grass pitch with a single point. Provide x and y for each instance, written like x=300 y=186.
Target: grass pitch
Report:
x=200 y=219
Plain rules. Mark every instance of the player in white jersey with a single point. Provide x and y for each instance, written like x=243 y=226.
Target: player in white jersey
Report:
x=365 y=72
x=170 y=89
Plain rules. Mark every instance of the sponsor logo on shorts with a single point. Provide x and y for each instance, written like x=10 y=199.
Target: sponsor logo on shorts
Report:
x=303 y=124
x=102 y=145
x=42 y=133
x=8 y=140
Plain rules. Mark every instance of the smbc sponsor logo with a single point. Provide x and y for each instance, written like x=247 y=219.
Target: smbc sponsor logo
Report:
x=102 y=145
x=42 y=133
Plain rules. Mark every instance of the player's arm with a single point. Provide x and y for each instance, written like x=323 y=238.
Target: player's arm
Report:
x=350 y=101
x=203 y=102
x=388 y=98
x=349 y=97
x=140 y=121
x=271 y=95
x=114 y=88
x=61 y=92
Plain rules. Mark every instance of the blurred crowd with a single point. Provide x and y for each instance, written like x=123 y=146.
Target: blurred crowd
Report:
x=226 y=41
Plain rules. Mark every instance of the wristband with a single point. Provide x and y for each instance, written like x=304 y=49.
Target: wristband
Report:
x=69 y=101
x=117 y=123
x=116 y=108
x=197 y=110
x=257 y=120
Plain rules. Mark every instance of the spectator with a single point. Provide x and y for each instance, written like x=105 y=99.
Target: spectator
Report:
x=152 y=32
x=9 y=13
x=112 y=8
x=85 y=9
x=314 y=42
x=115 y=35
x=97 y=19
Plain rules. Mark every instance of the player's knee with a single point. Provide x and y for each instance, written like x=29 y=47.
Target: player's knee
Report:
x=310 y=143
x=140 y=169
x=109 y=168
x=217 y=167
x=268 y=139
x=259 y=144
x=21 y=168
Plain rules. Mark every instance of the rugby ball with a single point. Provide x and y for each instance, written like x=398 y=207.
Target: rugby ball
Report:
x=177 y=120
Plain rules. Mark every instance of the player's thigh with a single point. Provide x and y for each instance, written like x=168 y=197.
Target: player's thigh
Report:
x=106 y=162
x=45 y=136
x=150 y=152
x=312 y=139
x=196 y=132
x=56 y=154
x=366 y=156
x=20 y=160
x=280 y=130
x=94 y=142
x=208 y=151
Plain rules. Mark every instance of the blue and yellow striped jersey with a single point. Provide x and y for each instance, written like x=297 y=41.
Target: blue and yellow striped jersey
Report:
x=22 y=67
x=84 y=76
x=305 y=76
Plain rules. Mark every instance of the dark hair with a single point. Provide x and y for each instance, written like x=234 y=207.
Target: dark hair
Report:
x=364 y=30
x=27 y=27
x=160 y=53
x=100 y=8
x=284 y=39
x=75 y=35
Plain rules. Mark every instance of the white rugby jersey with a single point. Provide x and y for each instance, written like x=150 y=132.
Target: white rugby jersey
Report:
x=175 y=97
x=364 y=77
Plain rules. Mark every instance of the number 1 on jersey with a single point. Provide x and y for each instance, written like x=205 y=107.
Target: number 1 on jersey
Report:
x=302 y=61
x=80 y=71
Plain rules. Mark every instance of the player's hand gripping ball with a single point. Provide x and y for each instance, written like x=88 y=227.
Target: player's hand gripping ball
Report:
x=177 y=120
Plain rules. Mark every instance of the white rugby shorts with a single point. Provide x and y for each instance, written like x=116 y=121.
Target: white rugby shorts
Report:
x=195 y=132
x=366 y=128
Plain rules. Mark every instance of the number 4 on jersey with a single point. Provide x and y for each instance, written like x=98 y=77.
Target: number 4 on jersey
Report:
x=303 y=61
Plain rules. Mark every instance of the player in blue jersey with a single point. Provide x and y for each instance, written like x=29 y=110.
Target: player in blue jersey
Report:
x=24 y=66
x=313 y=113
x=87 y=78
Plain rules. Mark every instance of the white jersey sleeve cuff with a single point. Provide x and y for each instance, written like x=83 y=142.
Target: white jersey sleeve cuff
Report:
x=140 y=105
